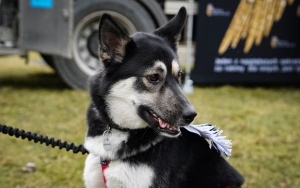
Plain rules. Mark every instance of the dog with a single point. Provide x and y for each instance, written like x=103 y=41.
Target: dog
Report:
x=137 y=112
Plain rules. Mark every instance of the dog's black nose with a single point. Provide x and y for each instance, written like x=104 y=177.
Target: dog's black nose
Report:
x=189 y=115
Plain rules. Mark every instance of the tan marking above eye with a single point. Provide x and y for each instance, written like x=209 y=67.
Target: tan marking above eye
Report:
x=161 y=65
x=158 y=68
x=175 y=68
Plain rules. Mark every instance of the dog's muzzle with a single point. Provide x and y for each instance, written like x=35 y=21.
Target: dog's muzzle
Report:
x=162 y=125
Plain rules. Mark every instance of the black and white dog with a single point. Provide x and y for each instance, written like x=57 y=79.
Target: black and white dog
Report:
x=136 y=113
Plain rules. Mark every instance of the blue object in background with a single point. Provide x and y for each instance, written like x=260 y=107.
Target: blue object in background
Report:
x=47 y=4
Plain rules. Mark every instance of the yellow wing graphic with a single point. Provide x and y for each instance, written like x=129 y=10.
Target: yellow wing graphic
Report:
x=252 y=21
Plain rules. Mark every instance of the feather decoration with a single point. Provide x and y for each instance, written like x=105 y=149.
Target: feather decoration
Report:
x=214 y=137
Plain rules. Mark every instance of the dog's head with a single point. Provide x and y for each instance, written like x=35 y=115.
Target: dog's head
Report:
x=138 y=86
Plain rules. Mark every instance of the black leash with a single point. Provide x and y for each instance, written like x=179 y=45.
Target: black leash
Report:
x=42 y=139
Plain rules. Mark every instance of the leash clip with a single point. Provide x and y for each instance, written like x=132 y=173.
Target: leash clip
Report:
x=104 y=161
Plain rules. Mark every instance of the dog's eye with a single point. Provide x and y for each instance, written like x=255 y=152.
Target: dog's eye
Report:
x=153 y=78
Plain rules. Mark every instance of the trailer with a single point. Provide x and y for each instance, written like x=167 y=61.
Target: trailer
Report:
x=65 y=32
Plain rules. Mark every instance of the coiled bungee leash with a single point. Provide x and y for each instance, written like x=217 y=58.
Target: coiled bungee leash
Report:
x=42 y=139
x=210 y=132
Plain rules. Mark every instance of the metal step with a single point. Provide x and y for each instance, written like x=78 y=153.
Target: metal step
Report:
x=11 y=51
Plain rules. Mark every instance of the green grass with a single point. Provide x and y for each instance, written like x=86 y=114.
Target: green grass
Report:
x=263 y=124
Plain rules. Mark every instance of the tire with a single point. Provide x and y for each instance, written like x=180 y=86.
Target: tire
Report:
x=84 y=63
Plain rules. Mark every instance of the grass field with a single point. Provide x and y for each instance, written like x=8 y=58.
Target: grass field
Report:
x=263 y=124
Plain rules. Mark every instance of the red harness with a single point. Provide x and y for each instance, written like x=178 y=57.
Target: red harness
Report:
x=104 y=165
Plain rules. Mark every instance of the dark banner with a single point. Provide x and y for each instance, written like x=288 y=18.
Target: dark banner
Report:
x=247 y=42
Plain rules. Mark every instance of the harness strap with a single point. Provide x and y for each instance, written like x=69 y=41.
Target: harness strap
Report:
x=104 y=165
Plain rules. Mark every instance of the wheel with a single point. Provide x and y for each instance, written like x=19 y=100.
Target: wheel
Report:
x=76 y=71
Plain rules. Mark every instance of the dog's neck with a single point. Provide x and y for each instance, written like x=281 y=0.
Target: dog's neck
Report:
x=111 y=142
x=117 y=144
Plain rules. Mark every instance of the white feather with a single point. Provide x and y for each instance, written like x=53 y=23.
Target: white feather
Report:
x=214 y=137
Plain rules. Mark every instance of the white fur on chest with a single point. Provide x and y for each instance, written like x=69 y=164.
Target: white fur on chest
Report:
x=125 y=175
x=119 y=174
x=92 y=173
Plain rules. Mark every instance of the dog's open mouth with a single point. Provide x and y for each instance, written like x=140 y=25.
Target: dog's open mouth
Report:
x=159 y=124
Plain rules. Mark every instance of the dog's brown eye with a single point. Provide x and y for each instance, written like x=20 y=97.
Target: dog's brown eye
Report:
x=154 y=78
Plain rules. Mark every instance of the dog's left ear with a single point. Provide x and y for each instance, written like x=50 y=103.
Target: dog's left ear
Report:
x=112 y=39
x=172 y=30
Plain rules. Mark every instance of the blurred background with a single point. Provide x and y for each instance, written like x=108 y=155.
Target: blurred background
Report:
x=242 y=73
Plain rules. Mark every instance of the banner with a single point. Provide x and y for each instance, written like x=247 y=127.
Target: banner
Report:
x=247 y=42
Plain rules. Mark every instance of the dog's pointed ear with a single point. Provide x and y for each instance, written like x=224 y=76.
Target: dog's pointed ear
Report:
x=172 y=30
x=112 y=39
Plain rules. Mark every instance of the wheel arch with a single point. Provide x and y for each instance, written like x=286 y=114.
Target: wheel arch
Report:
x=155 y=10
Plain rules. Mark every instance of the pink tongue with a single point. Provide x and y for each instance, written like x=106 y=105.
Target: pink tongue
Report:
x=162 y=124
